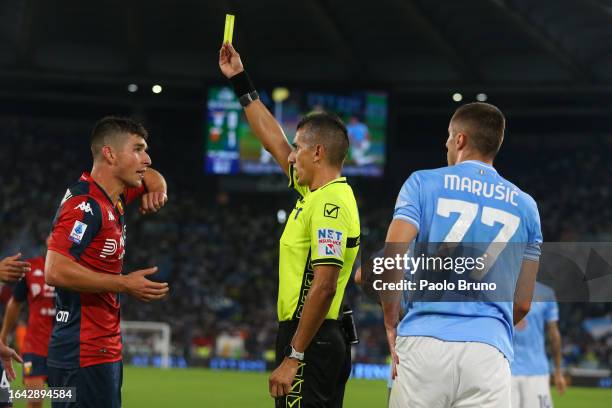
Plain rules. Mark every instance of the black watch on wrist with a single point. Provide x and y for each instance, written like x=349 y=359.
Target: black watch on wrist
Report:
x=290 y=352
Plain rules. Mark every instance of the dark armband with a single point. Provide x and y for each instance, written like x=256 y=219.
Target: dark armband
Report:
x=244 y=88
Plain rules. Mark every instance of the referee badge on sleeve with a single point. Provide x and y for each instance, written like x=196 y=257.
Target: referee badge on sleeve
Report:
x=329 y=243
x=331 y=210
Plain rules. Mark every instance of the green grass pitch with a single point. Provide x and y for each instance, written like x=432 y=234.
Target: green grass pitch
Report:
x=194 y=387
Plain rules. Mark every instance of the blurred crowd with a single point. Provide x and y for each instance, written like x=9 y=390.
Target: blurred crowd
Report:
x=219 y=250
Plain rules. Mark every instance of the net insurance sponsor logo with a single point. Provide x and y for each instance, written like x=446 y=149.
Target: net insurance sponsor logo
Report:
x=330 y=242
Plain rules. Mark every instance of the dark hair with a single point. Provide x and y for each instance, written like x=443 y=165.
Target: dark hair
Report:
x=110 y=128
x=327 y=129
x=484 y=124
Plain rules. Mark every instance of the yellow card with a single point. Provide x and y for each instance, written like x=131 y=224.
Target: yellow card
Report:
x=229 y=28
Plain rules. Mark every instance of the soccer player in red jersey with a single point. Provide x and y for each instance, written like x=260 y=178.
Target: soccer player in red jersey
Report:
x=11 y=270
x=85 y=259
x=41 y=304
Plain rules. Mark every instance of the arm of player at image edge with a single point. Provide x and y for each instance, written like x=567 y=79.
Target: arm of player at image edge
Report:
x=357 y=277
x=523 y=293
x=11 y=314
x=12 y=269
x=63 y=272
x=555 y=345
x=399 y=236
x=7 y=355
x=156 y=194
x=262 y=122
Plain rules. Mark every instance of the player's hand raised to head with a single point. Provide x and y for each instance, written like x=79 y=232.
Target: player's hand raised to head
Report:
x=153 y=202
x=138 y=286
x=12 y=269
x=7 y=355
x=229 y=60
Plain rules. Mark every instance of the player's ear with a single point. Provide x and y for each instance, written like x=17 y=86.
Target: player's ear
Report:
x=319 y=152
x=108 y=153
x=461 y=140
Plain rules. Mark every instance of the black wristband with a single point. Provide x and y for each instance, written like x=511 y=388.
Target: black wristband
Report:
x=246 y=99
x=242 y=84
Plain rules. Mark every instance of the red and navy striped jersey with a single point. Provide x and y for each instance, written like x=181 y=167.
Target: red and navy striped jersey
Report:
x=41 y=307
x=90 y=230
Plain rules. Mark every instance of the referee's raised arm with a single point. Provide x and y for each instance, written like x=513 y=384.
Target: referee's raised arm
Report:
x=264 y=125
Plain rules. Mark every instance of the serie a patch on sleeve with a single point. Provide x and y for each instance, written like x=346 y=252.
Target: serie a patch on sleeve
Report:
x=329 y=242
x=78 y=231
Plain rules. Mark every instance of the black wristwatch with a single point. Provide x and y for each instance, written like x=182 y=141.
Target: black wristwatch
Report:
x=290 y=352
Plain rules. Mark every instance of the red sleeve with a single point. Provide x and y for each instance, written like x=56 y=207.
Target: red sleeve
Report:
x=132 y=194
x=77 y=223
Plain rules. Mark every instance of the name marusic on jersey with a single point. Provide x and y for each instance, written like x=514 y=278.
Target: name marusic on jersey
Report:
x=499 y=191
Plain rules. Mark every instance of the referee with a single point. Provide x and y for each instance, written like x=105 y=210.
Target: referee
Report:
x=317 y=249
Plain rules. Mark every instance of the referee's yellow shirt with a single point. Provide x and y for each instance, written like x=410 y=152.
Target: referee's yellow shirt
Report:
x=323 y=229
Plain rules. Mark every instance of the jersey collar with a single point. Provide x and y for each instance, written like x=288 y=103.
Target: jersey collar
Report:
x=87 y=177
x=338 y=180
x=480 y=164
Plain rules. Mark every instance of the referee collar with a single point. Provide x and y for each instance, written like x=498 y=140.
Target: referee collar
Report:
x=334 y=181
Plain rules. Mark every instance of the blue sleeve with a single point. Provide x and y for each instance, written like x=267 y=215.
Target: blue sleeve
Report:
x=408 y=204
x=20 y=290
x=535 y=239
x=551 y=314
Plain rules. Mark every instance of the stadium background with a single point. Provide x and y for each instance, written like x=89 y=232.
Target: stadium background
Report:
x=65 y=64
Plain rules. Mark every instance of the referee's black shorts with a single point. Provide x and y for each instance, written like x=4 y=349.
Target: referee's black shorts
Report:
x=321 y=379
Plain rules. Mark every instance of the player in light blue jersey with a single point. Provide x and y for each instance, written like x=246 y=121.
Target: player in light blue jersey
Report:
x=456 y=354
x=530 y=368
